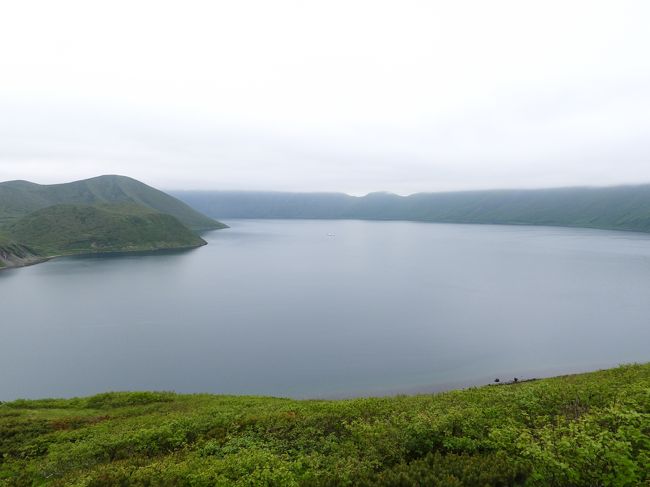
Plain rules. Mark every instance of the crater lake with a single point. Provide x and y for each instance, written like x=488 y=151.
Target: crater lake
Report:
x=307 y=308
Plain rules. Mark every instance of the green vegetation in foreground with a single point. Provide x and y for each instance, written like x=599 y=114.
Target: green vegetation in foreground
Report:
x=582 y=430
x=71 y=229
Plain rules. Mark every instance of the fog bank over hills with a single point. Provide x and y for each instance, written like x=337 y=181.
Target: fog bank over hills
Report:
x=616 y=207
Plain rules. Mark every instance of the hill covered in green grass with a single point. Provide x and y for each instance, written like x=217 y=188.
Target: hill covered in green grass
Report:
x=103 y=214
x=616 y=208
x=580 y=430
x=19 y=198
x=71 y=229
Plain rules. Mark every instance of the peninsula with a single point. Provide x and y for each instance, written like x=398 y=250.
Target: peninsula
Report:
x=102 y=214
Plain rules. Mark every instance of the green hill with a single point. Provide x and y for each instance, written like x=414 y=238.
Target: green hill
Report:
x=18 y=198
x=71 y=229
x=582 y=430
x=616 y=208
x=103 y=214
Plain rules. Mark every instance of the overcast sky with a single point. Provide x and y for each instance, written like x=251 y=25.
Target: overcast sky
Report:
x=352 y=96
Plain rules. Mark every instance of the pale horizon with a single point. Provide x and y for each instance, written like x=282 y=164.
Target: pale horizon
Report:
x=353 y=97
x=263 y=190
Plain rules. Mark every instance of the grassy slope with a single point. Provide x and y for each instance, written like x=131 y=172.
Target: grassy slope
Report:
x=618 y=208
x=18 y=198
x=588 y=429
x=69 y=229
x=106 y=213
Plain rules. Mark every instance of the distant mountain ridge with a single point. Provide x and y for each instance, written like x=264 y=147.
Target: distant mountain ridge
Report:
x=103 y=214
x=615 y=208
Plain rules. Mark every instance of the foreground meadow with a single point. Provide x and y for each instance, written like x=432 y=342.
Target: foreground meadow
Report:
x=588 y=429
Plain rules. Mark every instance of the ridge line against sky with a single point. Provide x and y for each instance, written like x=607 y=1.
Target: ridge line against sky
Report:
x=345 y=96
x=486 y=190
x=172 y=190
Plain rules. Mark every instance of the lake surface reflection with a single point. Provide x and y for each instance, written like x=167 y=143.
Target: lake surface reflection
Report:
x=328 y=308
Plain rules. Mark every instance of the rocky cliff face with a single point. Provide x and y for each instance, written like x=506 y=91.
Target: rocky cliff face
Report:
x=17 y=255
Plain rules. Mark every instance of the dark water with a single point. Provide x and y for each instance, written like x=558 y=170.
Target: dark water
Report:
x=282 y=308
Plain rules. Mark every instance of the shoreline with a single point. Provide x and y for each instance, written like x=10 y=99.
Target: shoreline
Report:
x=448 y=222
x=41 y=260
x=522 y=376
x=388 y=394
x=489 y=436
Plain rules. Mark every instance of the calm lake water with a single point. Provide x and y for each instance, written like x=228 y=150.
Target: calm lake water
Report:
x=328 y=309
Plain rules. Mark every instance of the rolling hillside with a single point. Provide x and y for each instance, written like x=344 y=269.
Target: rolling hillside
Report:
x=69 y=229
x=616 y=208
x=581 y=430
x=18 y=198
x=103 y=214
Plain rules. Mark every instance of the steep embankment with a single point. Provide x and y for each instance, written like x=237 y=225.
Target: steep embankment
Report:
x=582 y=430
x=617 y=208
x=71 y=229
x=13 y=254
x=19 y=198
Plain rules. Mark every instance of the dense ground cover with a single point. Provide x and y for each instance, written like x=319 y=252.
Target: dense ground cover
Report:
x=588 y=429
